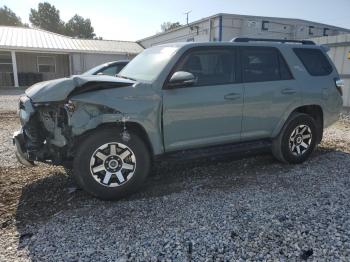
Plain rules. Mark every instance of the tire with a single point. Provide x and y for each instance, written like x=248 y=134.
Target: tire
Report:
x=297 y=139
x=69 y=172
x=108 y=167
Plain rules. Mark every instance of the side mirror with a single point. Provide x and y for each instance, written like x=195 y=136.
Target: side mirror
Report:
x=100 y=74
x=182 y=78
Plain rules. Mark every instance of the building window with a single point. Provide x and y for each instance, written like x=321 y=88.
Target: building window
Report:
x=46 y=64
x=311 y=30
x=325 y=32
x=264 y=25
x=5 y=63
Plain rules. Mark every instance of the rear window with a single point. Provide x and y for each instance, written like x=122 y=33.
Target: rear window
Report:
x=314 y=61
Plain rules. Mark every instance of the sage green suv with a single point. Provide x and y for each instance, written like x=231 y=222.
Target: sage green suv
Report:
x=181 y=100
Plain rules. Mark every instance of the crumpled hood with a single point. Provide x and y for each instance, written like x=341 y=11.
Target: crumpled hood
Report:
x=59 y=89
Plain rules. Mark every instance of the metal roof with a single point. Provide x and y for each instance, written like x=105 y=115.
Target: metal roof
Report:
x=32 y=39
x=295 y=20
x=332 y=41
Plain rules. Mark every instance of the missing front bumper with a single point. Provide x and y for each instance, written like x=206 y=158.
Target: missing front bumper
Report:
x=18 y=141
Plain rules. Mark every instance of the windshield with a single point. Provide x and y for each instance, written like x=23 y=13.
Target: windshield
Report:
x=148 y=65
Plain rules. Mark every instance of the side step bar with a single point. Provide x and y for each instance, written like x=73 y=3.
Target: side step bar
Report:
x=242 y=149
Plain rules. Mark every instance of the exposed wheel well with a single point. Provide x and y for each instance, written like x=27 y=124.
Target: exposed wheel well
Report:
x=316 y=113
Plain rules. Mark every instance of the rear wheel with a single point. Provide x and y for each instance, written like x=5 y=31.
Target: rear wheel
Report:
x=108 y=167
x=297 y=140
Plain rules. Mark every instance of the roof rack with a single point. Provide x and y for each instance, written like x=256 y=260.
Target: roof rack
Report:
x=283 y=41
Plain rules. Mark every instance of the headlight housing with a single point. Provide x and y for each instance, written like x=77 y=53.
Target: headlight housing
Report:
x=25 y=109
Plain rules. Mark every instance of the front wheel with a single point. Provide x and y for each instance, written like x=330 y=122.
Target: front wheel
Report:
x=108 y=167
x=297 y=140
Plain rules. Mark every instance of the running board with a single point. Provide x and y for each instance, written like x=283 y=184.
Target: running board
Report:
x=242 y=149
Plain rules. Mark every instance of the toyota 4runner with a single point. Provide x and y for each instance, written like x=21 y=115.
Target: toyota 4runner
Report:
x=181 y=99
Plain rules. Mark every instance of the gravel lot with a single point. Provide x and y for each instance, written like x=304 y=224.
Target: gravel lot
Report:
x=9 y=99
x=208 y=210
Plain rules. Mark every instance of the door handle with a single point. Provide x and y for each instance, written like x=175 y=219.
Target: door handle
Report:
x=232 y=96
x=288 y=91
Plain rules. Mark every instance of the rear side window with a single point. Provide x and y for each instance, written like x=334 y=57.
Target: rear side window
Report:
x=262 y=64
x=314 y=60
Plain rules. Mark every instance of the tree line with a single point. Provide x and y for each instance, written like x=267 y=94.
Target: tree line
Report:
x=47 y=17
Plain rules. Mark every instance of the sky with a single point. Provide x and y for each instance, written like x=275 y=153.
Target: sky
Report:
x=133 y=20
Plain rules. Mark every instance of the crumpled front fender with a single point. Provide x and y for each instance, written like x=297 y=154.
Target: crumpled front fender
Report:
x=140 y=106
x=88 y=116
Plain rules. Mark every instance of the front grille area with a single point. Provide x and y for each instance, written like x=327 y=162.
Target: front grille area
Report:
x=35 y=140
x=39 y=125
x=33 y=133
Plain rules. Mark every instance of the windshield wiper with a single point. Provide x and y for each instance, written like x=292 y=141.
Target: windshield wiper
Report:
x=125 y=77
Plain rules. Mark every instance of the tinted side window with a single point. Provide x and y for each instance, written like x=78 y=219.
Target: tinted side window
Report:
x=284 y=69
x=119 y=68
x=314 y=61
x=210 y=67
x=111 y=70
x=260 y=64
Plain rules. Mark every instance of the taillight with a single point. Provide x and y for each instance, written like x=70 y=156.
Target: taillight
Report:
x=339 y=84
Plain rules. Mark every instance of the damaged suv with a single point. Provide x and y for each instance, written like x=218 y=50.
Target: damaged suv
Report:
x=181 y=100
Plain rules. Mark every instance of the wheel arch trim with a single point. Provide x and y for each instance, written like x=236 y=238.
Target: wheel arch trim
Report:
x=300 y=109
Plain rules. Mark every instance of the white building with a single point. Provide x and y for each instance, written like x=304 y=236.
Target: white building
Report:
x=224 y=27
x=340 y=55
x=29 y=55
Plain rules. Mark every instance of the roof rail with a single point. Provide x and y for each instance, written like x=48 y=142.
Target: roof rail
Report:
x=283 y=41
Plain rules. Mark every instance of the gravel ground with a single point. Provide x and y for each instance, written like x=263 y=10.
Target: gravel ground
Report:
x=8 y=124
x=9 y=99
x=222 y=210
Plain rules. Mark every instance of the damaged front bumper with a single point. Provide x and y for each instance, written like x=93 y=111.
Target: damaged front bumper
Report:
x=18 y=142
x=50 y=131
x=40 y=137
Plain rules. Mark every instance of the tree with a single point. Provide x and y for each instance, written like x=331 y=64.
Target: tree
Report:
x=47 y=17
x=166 y=26
x=79 y=27
x=8 y=17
